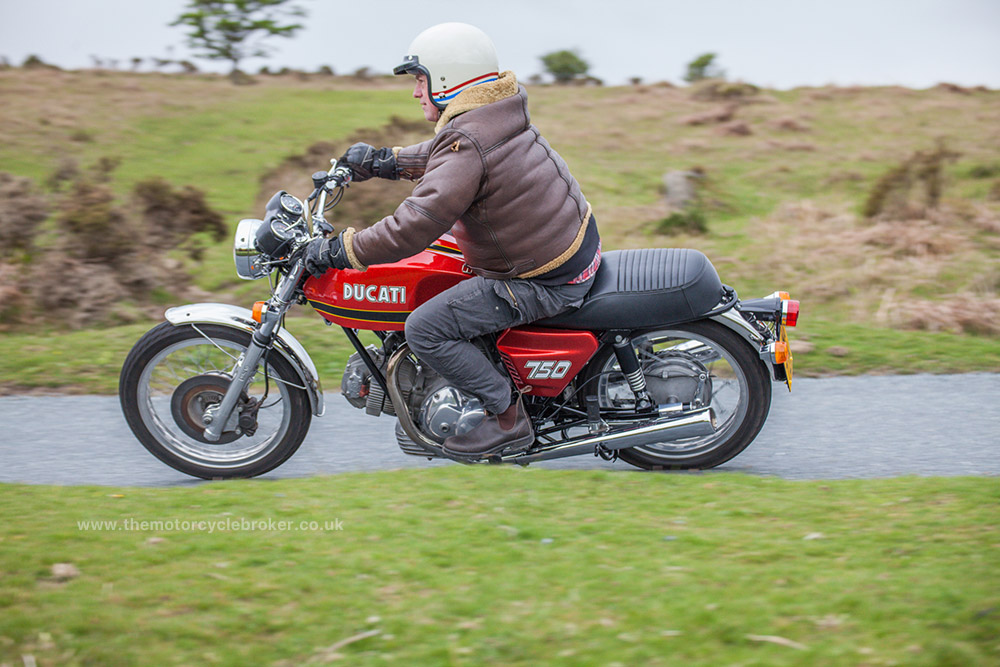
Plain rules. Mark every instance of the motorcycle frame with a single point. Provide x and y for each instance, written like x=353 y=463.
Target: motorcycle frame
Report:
x=285 y=344
x=692 y=423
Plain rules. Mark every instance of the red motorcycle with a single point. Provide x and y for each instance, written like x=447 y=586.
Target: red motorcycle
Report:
x=663 y=366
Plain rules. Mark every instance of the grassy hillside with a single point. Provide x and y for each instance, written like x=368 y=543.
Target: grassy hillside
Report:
x=786 y=174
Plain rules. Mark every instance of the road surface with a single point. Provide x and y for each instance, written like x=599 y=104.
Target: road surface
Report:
x=831 y=428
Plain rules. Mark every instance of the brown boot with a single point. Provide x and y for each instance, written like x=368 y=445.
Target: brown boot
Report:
x=509 y=429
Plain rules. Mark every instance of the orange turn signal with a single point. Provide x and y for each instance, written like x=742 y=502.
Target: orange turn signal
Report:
x=780 y=352
x=258 y=310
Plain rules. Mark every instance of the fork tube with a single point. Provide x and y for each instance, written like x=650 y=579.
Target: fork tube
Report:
x=260 y=341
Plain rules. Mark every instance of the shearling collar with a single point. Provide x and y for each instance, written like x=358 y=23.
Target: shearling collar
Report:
x=477 y=96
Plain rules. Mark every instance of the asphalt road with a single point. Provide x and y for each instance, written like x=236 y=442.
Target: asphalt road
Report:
x=834 y=428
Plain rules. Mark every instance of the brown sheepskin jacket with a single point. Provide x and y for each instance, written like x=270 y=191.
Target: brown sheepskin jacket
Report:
x=490 y=178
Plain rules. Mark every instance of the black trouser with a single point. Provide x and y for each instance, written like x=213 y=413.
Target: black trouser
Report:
x=439 y=331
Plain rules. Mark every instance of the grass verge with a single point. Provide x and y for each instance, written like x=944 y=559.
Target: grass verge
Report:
x=89 y=361
x=506 y=566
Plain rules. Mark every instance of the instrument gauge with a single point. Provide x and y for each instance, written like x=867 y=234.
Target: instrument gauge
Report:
x=291 y=205
x=283 y=229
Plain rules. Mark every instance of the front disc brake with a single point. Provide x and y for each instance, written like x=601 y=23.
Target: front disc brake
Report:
x=191 y=400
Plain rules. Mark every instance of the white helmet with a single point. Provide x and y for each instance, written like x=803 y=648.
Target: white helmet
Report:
x=453 y=57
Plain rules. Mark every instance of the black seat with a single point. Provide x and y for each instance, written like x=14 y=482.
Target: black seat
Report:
x=644 y=288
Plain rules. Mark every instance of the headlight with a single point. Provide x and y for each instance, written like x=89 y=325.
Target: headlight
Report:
x=246 y=255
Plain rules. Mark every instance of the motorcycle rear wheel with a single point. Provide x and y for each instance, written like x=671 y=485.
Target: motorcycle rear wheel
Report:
x=174 y=372
x=737 y=387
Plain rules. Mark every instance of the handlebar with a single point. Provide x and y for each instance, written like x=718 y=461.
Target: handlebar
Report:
x=338 y=177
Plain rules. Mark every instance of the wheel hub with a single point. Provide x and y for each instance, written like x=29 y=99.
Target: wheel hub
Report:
x=191 y=401
x=678 y=378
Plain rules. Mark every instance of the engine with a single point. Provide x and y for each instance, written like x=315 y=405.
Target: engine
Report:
x=357 y=387
x=438 y=409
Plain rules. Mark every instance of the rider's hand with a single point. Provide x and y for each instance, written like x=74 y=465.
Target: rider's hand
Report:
x=323 y=254
x=366 y=161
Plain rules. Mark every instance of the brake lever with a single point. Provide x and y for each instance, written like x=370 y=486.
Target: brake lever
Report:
x=323 y=226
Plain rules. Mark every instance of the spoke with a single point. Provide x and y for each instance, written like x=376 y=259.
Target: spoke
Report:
x=212 y=341
x=168 y=367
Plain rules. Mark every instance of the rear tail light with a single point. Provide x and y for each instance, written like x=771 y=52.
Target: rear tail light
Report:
x=789 y=312
x=778 y=295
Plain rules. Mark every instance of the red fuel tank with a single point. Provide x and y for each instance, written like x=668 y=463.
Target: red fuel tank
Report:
x=382 y=297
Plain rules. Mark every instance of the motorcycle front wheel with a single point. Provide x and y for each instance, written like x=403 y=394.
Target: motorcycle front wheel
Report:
x=173 y=374
x=700 y=364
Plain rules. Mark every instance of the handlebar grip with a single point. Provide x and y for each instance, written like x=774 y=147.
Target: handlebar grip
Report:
x=339 y=175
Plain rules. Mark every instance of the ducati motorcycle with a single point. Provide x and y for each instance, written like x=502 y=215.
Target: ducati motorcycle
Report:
x=662 y=366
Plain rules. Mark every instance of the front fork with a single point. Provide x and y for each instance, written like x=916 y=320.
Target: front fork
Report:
x=217 y=417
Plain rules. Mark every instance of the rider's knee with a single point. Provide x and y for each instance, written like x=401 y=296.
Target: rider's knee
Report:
x=418 y=333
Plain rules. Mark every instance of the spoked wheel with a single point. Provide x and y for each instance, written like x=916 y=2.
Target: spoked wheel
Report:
x=175 y=374
x=702 y=364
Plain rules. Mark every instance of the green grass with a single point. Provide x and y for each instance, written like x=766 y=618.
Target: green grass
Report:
x=202 y=132
x=504 y=566
x=255 y=133
x=862 y=349
x=90 y=360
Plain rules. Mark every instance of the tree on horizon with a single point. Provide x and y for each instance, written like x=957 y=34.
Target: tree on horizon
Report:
x=234 y=30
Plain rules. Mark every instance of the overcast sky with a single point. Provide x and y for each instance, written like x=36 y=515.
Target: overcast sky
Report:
x=774 y=43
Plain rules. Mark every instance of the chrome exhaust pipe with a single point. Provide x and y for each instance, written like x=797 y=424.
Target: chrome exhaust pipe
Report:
x=665 y=428
x=402 y=411
x=694 y=424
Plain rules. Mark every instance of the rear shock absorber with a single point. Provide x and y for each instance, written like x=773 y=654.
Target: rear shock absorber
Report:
x=629 y=365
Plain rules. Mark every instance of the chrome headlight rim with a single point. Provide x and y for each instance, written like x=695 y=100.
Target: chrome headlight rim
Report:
x=246 y=256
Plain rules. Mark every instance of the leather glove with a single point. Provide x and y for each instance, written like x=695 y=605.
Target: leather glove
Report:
x=323 y=254
x=366 y=161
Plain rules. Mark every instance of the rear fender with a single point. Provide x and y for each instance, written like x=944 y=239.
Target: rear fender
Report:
x=733 y=320
x=241 y=318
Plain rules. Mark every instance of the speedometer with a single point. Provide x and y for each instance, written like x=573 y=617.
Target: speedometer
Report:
x=283 y=229
x=291 y=205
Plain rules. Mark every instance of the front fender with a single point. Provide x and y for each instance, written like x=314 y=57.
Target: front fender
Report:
x=241 y=318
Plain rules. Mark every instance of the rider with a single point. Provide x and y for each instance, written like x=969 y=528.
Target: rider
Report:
x=527 y=232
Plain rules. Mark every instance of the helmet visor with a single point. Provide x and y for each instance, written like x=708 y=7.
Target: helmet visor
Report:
x=410 y=65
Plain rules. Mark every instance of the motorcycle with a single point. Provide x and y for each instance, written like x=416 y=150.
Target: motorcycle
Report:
x=662 y=366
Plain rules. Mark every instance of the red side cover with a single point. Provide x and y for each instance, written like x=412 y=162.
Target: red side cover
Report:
x=545 y=359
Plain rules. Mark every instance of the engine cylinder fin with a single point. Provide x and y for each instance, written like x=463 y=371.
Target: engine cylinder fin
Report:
x=376 y=403
x=406 y=444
